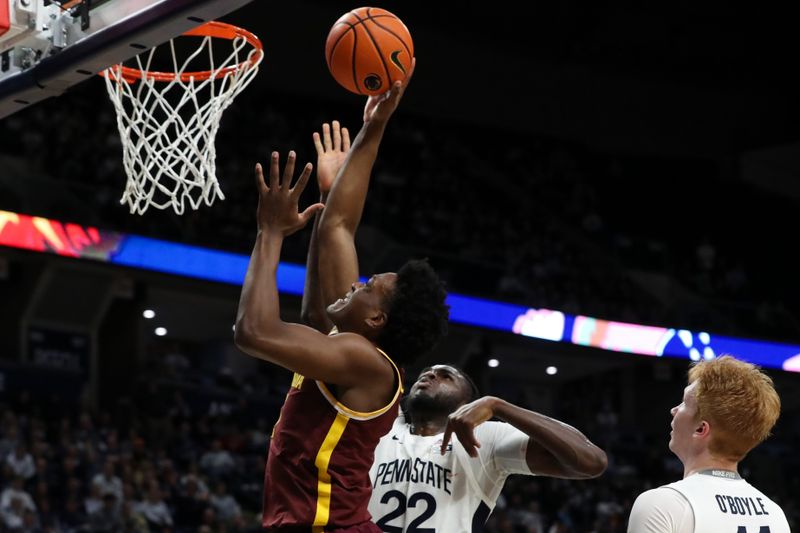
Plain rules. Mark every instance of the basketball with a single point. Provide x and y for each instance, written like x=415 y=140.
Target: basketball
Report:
x=368 y=49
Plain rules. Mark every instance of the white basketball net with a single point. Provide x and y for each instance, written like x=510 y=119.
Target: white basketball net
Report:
x=168 y=127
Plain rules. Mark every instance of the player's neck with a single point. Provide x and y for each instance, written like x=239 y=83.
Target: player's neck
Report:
x=706 y=461
x=427 y=427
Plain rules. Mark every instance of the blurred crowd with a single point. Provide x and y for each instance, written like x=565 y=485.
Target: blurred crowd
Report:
x=185 y=449
x=538 y=221
x=167 y=469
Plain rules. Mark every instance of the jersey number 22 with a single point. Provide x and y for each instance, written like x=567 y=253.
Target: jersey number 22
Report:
x=418 y=498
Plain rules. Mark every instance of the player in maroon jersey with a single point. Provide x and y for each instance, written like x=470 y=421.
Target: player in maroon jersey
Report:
x=345 y=391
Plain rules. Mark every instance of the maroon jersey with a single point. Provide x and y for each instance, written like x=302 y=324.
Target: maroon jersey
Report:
x=317 y=474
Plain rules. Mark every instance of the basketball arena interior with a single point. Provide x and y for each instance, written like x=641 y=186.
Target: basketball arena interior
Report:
x=608 y=190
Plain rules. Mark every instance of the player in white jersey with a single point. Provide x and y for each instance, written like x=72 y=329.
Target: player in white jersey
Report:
x=425 y=480
x=728 y=408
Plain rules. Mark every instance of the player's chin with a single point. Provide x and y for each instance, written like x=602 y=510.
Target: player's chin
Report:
x=336 y=307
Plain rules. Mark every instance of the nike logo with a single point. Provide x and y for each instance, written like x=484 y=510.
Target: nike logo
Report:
x=394 y=437
x=396 y=61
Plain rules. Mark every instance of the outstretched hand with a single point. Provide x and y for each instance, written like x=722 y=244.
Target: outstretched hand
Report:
x=278 y=203
x=380 y=107
x=463 y=422
x=332 y=151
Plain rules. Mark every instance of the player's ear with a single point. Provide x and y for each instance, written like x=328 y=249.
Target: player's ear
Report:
x=377 y=320
x=702 y=429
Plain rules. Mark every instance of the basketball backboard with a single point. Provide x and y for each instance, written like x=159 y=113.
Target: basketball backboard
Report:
x=46 y=46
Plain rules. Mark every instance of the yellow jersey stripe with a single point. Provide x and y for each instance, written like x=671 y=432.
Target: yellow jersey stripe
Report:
x=323 y=477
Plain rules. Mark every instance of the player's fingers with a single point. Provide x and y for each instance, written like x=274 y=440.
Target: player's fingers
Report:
x=395 y=92
x=302 y=181
x=310 y=211
x=318 y=143
x=345 y=140
x=470 y=443
x=288 y=170
x=411 y=71
x=404 y=83
x=274 y=170
x=468 y=440
x=448 y=433
x=260 y=185
x=326 y=136
x=337 y=136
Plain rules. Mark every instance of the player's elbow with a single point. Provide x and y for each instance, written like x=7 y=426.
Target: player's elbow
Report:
x=595 y=463
x=244 y=337
x=241 y=337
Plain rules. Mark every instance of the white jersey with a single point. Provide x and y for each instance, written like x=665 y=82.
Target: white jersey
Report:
x=416 y=488
x=709 y=501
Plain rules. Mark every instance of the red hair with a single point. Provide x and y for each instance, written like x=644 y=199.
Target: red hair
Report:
x=740 y=403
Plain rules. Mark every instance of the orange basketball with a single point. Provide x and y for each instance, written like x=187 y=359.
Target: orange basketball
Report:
x=368 y=49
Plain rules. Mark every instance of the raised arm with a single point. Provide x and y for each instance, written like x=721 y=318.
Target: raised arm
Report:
x=345 y=359
x=555 y=449
x=339 y=222
x=332 y=149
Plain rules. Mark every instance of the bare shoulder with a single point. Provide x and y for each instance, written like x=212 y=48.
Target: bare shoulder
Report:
x=370 y=385
x=364 y=360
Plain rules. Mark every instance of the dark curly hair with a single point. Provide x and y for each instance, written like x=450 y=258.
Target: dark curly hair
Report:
x=417 y=313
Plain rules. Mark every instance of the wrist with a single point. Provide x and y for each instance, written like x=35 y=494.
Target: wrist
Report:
x=376 y=124
x=496 y=405
x=270 y=233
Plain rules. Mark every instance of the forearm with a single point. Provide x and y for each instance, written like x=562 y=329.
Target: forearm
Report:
x=313 y=306
x=258 y=305
x=349 y=191
x=568 y=446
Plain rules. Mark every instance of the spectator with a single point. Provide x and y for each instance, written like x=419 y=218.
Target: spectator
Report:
x=13 y=514
x=107 y=481
x=132 y=519
x=9 y=432
x=94 y=501
x=217 y=462
x=107 y=517
x=16 y=492
x=530 y=518
x=190 y=505
x=194 y=476
x=225 y=505
x=20 y=462
x=153 y=508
